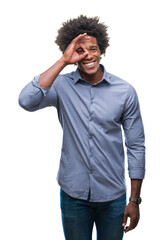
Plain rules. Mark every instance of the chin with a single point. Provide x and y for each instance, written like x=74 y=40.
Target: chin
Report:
x=91 y=72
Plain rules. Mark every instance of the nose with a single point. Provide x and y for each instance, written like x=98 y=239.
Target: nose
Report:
x=89 y=56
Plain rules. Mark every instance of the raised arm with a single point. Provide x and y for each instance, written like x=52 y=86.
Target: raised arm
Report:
x=70 y=56
x=34 y=95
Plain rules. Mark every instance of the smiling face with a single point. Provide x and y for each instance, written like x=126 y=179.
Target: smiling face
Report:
x=89 y=66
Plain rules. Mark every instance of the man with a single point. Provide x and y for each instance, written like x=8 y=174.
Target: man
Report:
x=92 y=105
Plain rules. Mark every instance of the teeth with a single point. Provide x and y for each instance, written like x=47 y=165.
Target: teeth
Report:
x=89 y=64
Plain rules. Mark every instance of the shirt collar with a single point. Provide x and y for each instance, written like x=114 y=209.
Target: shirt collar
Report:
x=106 y=76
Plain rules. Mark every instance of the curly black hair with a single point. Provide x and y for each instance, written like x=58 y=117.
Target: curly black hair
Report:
x=73 y=27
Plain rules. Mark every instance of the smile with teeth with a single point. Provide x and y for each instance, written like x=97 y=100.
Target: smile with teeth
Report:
x=89 y=64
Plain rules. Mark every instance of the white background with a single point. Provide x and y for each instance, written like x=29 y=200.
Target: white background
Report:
x=30 y=142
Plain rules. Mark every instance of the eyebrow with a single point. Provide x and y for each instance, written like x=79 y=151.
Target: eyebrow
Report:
x=93 y=46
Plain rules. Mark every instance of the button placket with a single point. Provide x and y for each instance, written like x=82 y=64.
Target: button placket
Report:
x=92 y=95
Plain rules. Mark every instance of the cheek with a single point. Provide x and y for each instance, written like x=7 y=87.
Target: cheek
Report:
x=98 y=58
x=79 y=65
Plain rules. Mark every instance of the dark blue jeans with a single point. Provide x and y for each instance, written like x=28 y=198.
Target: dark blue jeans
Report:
x=78 y=217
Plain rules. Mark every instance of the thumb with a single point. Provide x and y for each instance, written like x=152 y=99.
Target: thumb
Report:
x=124 y=220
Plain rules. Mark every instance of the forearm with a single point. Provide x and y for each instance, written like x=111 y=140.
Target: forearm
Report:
x=136 y=187
x=47 y=78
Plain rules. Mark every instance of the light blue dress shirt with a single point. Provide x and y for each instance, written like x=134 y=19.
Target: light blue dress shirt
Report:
x=91 y=116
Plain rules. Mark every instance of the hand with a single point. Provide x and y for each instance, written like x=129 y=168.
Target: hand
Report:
x=71 y=55
x=132 y=211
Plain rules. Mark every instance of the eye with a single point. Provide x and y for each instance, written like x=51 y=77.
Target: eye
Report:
x=80 y=51
x=93 y=49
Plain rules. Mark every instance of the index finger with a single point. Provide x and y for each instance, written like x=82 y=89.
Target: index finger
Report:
x=79 y=37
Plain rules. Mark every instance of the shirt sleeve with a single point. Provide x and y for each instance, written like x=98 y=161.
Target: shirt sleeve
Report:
x=134 y=135
x=33 y=97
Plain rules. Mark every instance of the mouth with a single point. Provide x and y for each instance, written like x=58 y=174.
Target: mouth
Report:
x=90 y=64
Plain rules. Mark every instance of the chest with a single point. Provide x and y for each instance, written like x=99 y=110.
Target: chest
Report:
x=102 y=103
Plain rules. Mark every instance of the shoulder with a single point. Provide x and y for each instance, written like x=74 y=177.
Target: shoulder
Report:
x=114 y=80
x=118 y=81
x=122 y=84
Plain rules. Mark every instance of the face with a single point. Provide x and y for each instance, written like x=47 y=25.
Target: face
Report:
x=90 y=64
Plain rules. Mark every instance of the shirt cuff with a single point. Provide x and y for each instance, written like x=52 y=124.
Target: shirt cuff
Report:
x=137 y=174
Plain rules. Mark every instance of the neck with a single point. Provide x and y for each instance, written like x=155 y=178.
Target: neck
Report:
x=92 y=78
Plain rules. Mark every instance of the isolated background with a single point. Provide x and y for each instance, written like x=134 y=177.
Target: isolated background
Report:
x=30 y=142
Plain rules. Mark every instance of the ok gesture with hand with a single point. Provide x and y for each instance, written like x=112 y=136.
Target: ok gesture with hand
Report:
x=71 y=55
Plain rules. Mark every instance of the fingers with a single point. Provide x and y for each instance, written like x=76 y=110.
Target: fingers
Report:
x=79 y=37
x=81 y=50
x=83 y=55
x=76 y=42
x=133 y=224
x=76 y=50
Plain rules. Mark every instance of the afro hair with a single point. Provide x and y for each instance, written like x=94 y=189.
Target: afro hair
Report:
x=74 y=27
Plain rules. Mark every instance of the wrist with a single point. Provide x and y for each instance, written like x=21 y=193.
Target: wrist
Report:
x=63 y=62
x=137 y=200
